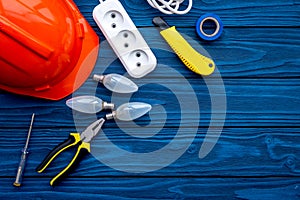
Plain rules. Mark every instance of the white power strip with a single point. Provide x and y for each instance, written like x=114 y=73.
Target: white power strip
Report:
x=123 y=36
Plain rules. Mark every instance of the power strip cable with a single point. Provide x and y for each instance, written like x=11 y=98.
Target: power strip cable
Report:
x=171 y=6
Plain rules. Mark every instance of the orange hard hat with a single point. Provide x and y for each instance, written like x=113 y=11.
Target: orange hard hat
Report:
x=47 y=48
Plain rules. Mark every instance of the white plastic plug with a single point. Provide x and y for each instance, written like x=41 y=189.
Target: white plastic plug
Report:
x=123 y=36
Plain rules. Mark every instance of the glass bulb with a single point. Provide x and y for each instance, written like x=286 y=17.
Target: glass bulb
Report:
x=130 y=111
x=117 y=83
x=88 y=104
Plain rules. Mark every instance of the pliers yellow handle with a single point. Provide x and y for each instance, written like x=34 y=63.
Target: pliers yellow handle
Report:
x=75 y=140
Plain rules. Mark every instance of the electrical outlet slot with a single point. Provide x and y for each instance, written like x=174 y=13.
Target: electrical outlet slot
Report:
x=138 y=58
x=114 y=18
x=124 y=37
x=113 y=15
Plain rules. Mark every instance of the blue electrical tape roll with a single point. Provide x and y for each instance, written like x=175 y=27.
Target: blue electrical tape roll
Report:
x=219 y=27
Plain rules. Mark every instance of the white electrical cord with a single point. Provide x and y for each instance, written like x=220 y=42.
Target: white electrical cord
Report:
x=170 y=6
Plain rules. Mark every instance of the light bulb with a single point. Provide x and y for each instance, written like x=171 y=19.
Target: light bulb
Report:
x=116 y=83
x=130 y=111
x=88 y=104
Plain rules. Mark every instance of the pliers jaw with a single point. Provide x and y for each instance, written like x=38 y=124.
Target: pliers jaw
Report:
x=79 y=142
x=91 y=131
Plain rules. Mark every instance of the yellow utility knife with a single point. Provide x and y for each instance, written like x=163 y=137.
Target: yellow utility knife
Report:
x=195 y=61
x=75 y=140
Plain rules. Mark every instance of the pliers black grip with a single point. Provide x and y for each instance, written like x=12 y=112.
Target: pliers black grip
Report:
x=72 y=141
x=75 y=140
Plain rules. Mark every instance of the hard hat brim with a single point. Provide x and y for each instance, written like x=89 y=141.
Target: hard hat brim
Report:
x=75 y=78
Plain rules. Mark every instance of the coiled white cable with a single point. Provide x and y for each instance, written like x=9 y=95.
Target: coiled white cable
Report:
x=170 y=6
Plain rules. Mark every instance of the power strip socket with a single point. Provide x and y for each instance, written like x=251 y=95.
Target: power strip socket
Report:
x=123 y=36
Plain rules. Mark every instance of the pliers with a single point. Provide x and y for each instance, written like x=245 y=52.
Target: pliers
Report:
x=76 y=140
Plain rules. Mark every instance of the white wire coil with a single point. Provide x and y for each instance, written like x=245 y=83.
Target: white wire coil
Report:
x=170 y=6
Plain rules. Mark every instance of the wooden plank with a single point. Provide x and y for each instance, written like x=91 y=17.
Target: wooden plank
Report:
x=255 y=102
x=260 y=68
x=239 y=53
x=155 y=188
x=239 y=152
x=237 y=13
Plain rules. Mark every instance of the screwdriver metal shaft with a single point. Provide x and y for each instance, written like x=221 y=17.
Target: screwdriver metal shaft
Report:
x=22 y=163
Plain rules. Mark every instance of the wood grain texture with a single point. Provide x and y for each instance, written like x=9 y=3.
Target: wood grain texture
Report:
x=257 y=154
x=239 y=53
x=233 y=13
x=265 y=102
x=165 y=188
x=239 y=152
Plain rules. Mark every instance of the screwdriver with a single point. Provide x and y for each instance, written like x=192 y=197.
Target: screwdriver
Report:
x=22 y=163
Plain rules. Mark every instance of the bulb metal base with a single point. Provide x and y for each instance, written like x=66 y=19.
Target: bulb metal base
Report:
x=111 y=115
x=108 y=106
x=98 y=78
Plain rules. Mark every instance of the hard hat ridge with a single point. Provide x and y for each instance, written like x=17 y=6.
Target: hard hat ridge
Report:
x=44 y=45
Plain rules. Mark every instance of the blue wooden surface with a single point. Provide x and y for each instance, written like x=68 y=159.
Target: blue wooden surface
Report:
x=257 y=155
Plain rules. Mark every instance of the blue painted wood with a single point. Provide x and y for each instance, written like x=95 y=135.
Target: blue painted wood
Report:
x=156 y=188
x=256 y=106
x=253 y=13
x=277 y=148
x=257 y=155
x=250 y=52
